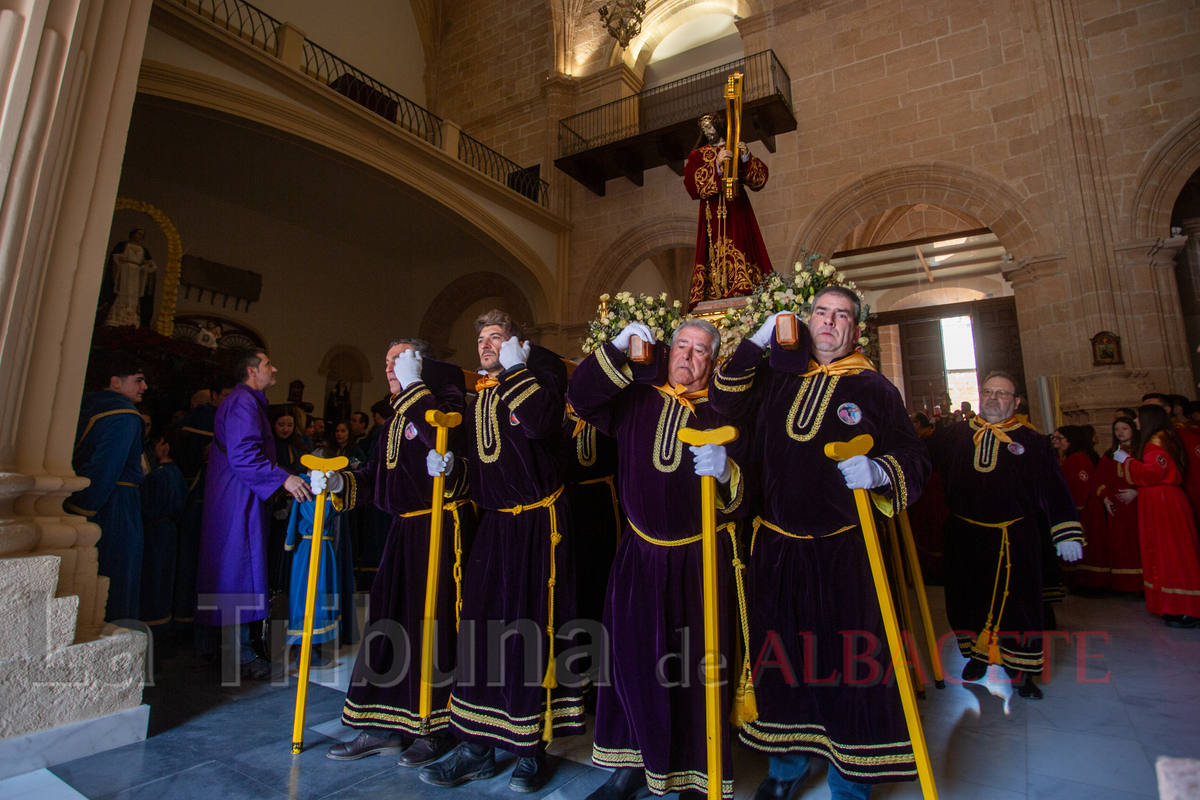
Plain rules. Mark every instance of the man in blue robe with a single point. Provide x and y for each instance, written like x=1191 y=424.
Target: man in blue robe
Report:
x=231 y=576
x=108 y=452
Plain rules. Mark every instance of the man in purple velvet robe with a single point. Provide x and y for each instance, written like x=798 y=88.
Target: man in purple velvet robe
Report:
x=1000 y=477
x=231 y=575
x=383 y=699
x=819 y=686
x=650 y=719
x=508 y=691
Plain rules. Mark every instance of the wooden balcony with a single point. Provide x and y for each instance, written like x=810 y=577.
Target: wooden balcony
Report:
x=658 y=126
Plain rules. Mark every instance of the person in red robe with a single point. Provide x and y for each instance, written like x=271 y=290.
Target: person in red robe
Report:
x=1120 y=501
x=730 y=254
x=1170 y=551
x=1078 y=461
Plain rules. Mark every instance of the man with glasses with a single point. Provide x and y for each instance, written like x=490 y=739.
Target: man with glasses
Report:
x=811 y=596
x=999 y=475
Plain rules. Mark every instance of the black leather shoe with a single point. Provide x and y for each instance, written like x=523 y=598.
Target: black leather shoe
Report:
x=775 y=789
x=427 y=750
x=1181 y=621
x=623 y=784
x=367 y=744
x=530 y=774
x=1028 y=689
x=467 y=762
x=974 y=670
x=261 y=670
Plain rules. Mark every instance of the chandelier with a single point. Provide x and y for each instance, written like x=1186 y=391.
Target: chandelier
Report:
x=625 y=20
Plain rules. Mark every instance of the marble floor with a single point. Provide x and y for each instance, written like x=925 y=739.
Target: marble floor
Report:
x=1109 y=711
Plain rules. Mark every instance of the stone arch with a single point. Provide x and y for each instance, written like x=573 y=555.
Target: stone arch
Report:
x=666 y=17
x=460 y=294
x=345 y=362
x=408 y=165
x=626 y=251
x=1165 y=170
x=995 y=205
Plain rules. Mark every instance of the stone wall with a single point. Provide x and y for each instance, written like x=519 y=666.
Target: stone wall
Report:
x=1068 y=128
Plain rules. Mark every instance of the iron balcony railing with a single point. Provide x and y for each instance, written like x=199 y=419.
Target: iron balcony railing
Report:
x=523 y=181
x=672 y=103
x=351 y=82
x=260 y=29
x=243 y=20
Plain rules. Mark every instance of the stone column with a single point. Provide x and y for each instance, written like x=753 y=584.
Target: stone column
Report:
x=77 y=96
x=1187 y=275
x=1154 y=339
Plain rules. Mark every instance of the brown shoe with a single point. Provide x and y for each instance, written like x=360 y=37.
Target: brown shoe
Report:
x=368 y=744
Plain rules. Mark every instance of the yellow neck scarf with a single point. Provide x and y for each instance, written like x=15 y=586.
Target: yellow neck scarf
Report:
x=982 y=426
x=485 y=382
x=850 y=365
x=681 y=395
x=580 y=425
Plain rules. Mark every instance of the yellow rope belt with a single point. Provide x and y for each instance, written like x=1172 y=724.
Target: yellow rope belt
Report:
x=551 y=680
x=989 y=640
x=744 y=709
x=759 y=522
x=612 y=487
x=127 y=483
x=452 y=507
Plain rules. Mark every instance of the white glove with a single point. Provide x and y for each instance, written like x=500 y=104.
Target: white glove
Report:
x=322 y=481
x=861 y=472
x=408 y=368
x=763 y=336
x=513 y=353
x=643 y=332
x=437 y=465
x=1069 y=551
x=1120 y=456
x=710 y=459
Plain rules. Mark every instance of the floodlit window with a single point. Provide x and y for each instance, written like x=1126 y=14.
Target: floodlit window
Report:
x=958 y=350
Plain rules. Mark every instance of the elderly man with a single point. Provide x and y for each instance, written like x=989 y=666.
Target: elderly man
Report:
x=517 y=585
x=812 y=596
x=999 y=476
x=383 y=699
x=108 y=452
x=231 y=576
x=650 y=720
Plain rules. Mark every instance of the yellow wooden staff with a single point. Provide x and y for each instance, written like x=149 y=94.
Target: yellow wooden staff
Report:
x=841 y=451
x=443 y=423
x=712 y=614
x=910 y=547
x=310 y=600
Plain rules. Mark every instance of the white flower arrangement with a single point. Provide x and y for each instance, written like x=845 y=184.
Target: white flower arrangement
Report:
x=615 y=313
x=778 y=291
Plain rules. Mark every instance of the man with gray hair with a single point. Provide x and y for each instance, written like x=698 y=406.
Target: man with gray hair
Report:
x=384 y=694
x=812 y=593
x=650 y=719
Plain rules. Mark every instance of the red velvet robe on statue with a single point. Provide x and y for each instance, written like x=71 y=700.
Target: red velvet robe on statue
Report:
x=1094 y=570
x=730 y=255
x=1170 y=553
x=1124 y=549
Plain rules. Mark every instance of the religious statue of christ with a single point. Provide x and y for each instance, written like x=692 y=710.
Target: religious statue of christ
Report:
x=730 y=255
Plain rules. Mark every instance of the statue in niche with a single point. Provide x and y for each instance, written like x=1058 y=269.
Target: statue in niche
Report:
x=209 y=335
x=129 y=288
x=337 y=405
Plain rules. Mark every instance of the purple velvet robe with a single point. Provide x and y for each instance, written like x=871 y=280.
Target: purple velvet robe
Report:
x=514 y=456
x=596 y=520
x=231 y=576
x=652 y=712
x=992 y=483
x=396 y=480
x=812 y=595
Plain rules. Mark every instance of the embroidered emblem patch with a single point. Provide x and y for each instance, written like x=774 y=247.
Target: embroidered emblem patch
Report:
x=849 y=413
x=1161 y=459
x=512 y=419
x=1083 y=476
x=410 y=431
x=1016 y=448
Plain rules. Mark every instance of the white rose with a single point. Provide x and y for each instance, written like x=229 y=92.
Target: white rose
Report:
x=604 y=297
x=863 y=341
